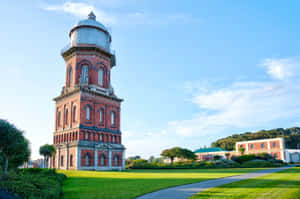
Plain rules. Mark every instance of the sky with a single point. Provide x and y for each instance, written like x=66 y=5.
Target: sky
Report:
x=190 y=72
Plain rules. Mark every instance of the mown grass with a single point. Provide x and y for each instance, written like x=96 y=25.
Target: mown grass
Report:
x=284 y=184
x=130 y=184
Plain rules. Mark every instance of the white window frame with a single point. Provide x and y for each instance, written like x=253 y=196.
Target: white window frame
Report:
x=70 y=76
x=113 y=115
x=88 y=113
x=100 y=116
x=100 y=76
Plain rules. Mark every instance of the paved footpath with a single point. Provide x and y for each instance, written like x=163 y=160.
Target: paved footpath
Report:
x=186 y=191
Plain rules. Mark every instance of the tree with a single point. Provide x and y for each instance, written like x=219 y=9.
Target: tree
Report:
x=217 y=157
x=14 y=147
x=291 y=136
x=242 y=150
x=130 y=159
x=151 y=158
x=179 y=153
x=187 y=154
x=227 y=155
x=47 y=151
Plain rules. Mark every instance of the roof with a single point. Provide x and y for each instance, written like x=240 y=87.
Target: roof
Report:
x=90 y=22
x=206 y=150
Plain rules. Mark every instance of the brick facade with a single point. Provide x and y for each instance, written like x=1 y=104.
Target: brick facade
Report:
x=87 y=132
x=273 y=146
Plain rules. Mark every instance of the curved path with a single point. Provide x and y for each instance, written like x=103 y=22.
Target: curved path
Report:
x=186 y=191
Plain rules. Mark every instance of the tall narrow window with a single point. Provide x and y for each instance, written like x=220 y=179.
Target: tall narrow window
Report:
x=100 y=137
x=84 y=78
x=86 y=160
x=58 y=118
x=70 y=76
x=101 y=115
x=102 y=160
x=116 y=159
x=62 y=161
x=66 y=116
x=113 y=115
x=113 y=139
x=100 y=77
x=87 y=136
x=71 y=160
x=74 y=114
x=87 y=113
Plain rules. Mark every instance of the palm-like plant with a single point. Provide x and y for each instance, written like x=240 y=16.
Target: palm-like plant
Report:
x=47 y=151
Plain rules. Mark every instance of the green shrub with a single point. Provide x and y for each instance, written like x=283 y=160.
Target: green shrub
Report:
x=243 y=158
x=34 y=183
x=259 y=163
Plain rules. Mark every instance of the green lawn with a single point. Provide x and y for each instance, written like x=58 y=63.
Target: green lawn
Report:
x=284 y=184
x=129 y=184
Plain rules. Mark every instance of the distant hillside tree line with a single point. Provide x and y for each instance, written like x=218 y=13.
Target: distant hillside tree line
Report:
x=291 y=135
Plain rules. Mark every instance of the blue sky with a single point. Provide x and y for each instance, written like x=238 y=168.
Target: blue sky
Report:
x=190 y=71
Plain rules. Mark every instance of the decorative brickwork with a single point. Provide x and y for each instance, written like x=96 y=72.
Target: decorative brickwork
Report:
x=87 y=132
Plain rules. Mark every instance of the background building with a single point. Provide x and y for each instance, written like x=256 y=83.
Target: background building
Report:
x=204 y=154
x=87 y=132
x=274 y=146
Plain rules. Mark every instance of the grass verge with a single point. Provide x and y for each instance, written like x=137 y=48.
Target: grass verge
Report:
x=133 y=183
x=284 y=184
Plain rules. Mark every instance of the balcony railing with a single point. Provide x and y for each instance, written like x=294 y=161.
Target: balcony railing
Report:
x=68 y=46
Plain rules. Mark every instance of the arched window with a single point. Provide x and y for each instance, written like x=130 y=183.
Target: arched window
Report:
x=84 y=78
x=88 y=113
x=113 y=139
x=274 y=145
x=100 y=137
x=252 y=146
x=71 y=160
x=58 y=118
x=66 y=116
x=70 y=76
x=113 y=117
x=262 y=145
x=116 y=160
x=101 y=115
x=74 y=114
x=87 y=160
x=100 y=77
x=85 y=70
x=87 y=136
x=62 y=160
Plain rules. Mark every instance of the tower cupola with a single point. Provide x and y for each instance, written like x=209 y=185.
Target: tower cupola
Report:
x=90 y=32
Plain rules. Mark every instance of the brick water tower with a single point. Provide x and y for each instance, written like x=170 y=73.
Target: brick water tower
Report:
x=87 y=132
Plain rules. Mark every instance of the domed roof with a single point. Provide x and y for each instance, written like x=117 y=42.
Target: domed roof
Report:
x=90 y=22
x=90 y=32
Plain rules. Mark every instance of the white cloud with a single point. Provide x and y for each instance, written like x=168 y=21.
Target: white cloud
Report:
x=240 y=105
x=281 y=68
x=81 y=10
x=243 y=104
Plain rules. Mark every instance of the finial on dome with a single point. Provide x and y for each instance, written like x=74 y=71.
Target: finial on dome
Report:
x=92 y=16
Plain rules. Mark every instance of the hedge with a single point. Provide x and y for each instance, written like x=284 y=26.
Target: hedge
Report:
x=246 y=162
x=34 y=183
